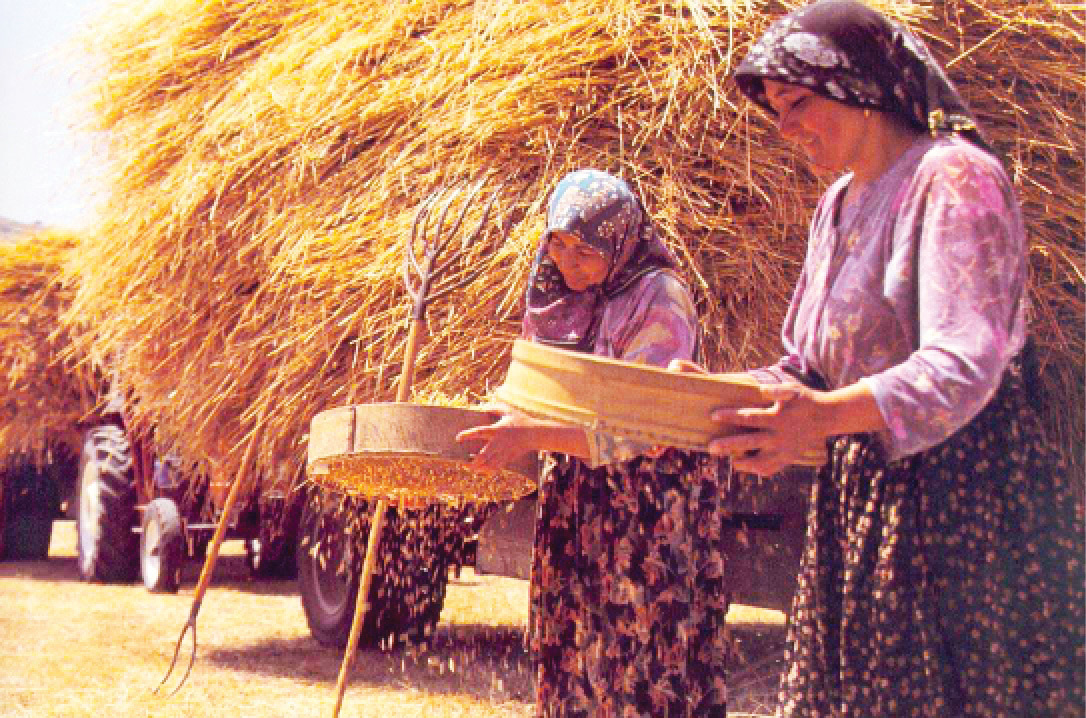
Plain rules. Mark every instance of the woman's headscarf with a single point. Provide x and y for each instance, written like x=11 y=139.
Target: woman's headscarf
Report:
x=601 y=210
x=848 y=52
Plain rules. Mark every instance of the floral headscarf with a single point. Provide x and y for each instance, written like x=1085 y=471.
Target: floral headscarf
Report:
x=846 y=51
x=601 y=210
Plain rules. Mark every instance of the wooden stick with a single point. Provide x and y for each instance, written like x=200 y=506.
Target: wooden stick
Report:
x=362 y=603
x=209 y=566
x=373 y=544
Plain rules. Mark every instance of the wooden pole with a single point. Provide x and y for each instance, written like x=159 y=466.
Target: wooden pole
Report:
x=209 y=562
x=373 y=544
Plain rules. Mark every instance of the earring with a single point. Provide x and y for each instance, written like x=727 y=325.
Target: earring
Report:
x=867 y=112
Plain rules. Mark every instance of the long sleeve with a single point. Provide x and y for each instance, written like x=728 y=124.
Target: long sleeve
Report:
x=792 y=363
x=970 y=271
x=917 y=289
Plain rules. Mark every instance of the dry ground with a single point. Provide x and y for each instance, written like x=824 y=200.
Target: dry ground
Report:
x=72 y=649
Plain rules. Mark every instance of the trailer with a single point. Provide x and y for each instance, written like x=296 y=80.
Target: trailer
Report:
x=35 y=491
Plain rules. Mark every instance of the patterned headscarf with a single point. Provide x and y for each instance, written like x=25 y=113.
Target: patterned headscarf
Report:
x=601 y=210
x=848 y=52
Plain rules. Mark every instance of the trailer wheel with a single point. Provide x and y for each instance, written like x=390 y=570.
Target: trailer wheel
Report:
x=274 y=559
x=418 y=548
x=162 y=547
x=108 y=548
x=273 y=552
x=328 y=590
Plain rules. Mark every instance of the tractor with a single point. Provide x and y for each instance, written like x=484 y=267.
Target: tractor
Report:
x=144 y=514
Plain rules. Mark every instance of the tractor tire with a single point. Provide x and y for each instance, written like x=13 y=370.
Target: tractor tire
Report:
x=108 y=548
x=408 y=586
x=328 y=590
x=162 y=547
x=28 y=507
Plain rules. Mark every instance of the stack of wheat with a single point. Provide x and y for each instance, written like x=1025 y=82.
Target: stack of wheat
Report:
x=268 y=159
x=42 y=395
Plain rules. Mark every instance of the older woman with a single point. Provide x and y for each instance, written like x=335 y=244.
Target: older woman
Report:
x=943 y=570
x=628 y=592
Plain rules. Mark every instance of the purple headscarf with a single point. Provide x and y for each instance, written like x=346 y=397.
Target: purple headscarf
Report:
x=601 y=210
x=848 y=52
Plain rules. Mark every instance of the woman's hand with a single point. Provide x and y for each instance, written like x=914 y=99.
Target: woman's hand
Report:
x=792 y=429
x=506 y=440
x=685 y=366
x=795 y=426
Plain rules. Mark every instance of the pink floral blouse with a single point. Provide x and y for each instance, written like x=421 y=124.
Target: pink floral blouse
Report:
x=918 y=289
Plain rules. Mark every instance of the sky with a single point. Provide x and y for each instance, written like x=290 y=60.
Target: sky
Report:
x=46 y=166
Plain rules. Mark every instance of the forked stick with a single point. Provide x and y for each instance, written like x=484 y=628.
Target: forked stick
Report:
x=425 y=283
x=205 y=573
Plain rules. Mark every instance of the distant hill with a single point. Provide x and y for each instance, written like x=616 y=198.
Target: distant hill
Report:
x=10 y=230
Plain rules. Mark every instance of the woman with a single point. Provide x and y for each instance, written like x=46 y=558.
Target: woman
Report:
x=942 y=574
x=628 y=602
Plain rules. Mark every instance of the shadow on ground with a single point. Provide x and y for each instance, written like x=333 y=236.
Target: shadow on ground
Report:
x=54 y=570
x=231 y=568
x=755 y=670
x=230 y=572
x=487 y=662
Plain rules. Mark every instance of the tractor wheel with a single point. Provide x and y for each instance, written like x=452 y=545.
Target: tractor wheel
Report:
x=28 y=506
x=408 y=586
x=107 y=546
x=162 y=547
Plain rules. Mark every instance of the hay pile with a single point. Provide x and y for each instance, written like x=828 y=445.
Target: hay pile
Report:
x=268 y=159
x=42 y=396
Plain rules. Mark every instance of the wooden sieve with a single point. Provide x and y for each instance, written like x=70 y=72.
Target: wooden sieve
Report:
x=635 y=401
x=399 y=451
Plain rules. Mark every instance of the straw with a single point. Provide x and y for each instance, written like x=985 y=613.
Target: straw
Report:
x=267 y=159
x=42 y=396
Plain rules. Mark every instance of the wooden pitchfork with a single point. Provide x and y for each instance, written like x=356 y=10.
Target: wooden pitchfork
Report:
x=425 y=274
x=209 y=567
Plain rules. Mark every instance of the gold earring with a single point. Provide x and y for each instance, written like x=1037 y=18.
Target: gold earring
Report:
x=867 y=112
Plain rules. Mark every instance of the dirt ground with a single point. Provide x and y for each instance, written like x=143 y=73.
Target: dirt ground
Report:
x=72 y=649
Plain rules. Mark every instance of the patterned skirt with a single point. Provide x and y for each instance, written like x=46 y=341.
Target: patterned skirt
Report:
x=949 y=583
x=628 y=598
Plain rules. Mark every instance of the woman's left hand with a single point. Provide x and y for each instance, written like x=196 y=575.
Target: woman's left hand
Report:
x=506 y=440
x=787 y=432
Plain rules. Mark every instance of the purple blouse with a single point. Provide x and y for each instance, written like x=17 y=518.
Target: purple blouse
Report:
x=653 y=322
x=918 y=290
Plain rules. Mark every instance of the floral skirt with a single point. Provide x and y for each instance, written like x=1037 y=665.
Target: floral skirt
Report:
x=949 y=583
x=628 y=596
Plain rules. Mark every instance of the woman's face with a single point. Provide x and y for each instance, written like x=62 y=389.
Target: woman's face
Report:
x=581 y=265
x=831 y=133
